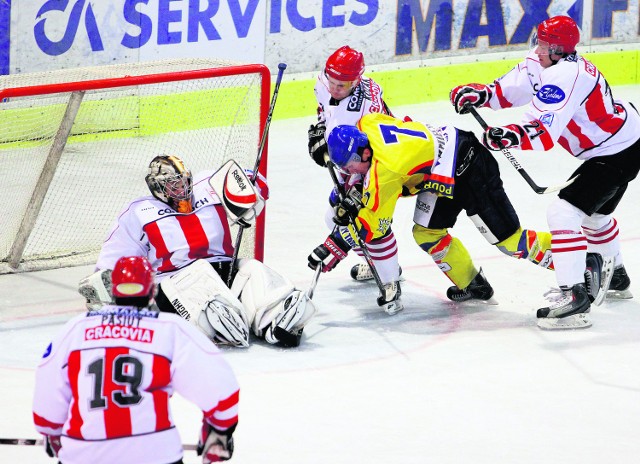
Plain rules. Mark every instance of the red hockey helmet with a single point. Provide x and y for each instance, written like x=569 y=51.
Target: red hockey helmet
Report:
x=132 y=277
x=560 y=33
x=345 y=64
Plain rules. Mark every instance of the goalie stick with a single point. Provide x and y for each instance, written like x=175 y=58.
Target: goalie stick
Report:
x=359 y=240
x=515 y=163
x=263 y=141
x=40 y=442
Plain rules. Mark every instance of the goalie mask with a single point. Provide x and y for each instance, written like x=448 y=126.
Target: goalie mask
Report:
x=171 y=182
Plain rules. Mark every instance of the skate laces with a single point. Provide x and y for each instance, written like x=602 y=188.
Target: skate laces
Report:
x=557 y=296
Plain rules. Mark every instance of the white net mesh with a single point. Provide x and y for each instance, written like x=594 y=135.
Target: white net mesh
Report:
x=114 y=135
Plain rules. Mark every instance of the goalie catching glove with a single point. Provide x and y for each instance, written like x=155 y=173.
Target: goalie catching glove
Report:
x=239 y=196
x=347 y=209
x=317 y=144
x=214 y=445
x=476 y=95
x=330 y=253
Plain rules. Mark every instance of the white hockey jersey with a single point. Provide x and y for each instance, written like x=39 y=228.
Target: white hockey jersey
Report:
x=366 y=98
x=570 y=103
x=105 y=382
x=170 y=240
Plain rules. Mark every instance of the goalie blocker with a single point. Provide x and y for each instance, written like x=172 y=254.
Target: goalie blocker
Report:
x=240 y=198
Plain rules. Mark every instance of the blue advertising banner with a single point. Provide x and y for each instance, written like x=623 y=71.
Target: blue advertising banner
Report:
x=5 y=35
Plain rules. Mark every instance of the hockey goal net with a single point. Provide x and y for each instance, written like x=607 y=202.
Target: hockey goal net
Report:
x=75 y=146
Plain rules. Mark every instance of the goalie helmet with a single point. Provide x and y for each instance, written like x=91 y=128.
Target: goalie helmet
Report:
x=345 y=144
x=559 y=33
x=132 y=281
x=345 y=64
x=171 y=182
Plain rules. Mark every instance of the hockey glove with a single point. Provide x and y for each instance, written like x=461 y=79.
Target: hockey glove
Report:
x=329 y=254
x=499 y=137
x=52 y=445
x=317 y=144
x=348 y=209
x=476 y=95
x=213 y=445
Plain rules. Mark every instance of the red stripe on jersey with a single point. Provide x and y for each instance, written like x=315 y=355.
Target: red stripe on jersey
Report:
x=373 y=177
x=195 y=235
x=504 y=103
x=564 y=143
x=424 y=168
x=584 y=141
x=117 y=419
x=597 y=112
x=161 y=377
x=545 y=137
x=157 y=241
x=226 y=240
x=365 y=231
x=73 y=372
x=42 y=422
x=222 y=406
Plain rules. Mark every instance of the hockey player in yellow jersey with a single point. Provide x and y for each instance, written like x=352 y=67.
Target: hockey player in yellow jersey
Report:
x=448 y=170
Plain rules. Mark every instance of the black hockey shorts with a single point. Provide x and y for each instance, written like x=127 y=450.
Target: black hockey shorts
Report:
x=478 y=191
x=603 y=181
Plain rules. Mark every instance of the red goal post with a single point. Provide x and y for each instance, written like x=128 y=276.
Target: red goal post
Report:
x=75 y=145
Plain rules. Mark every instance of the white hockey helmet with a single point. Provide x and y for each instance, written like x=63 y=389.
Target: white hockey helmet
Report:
x=171 y=182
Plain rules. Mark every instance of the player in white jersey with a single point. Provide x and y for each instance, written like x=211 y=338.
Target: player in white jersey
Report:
x=570 y=104
x=184 y=232
x=104 y=383
x=344 y=95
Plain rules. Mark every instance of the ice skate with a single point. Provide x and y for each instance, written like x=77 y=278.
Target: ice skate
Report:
x=362 y=271
x=389 y=300
x=569 y=309
x=597 y=277
x=479 y=289
x=619 y=286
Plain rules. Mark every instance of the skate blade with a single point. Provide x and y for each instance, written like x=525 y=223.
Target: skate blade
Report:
x=393 y=307
x=605 y=281
x=619 y=295
x=576 y=321
x=477 y=301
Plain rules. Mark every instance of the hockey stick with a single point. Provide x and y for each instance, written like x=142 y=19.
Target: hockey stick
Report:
x=40 y=442
x=314 y=282
x=263 y=141
x=514 y=162
x=365 y=251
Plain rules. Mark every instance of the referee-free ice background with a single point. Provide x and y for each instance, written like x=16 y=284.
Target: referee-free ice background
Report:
x=439 y=382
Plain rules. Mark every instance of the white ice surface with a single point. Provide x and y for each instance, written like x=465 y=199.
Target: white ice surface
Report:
x=435 y=383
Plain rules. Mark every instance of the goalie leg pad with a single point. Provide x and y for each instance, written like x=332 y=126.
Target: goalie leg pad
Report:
x=199 y=295
x=96 y=288
x=271 y=300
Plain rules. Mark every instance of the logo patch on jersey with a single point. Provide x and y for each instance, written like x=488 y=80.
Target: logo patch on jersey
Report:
x=550 y=94
x=356 y=99
x=547 y=119
x=47 y=352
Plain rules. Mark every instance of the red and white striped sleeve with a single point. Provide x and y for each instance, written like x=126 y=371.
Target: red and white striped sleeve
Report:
x=203 y=376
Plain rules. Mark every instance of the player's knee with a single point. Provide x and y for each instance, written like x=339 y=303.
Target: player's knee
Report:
x=562 y=215
x=428 y=238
